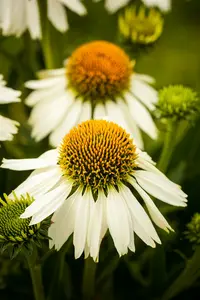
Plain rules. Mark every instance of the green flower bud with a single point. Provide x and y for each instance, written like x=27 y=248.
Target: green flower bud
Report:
x=143 y=26
x=193 y=230
x=15 y=232
x=177 y=102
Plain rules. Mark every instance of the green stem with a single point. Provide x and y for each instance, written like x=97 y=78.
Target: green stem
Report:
x=168 y=147
x=47 y=48
x=36 y=276
x=187 y=278
x=88 y=288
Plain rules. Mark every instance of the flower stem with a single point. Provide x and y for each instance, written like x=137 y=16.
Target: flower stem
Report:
x=36 y=275
x=168 y=147
x=187 y=278
x=46 y=36
x=89 y=272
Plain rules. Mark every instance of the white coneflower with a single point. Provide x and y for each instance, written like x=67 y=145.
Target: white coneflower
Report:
x=90 y=181
x=113 y=5
x=8 y=127
x=98 y=80
x=16 y=19
x=164 y=5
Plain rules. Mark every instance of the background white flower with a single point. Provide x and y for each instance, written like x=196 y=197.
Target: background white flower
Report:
x=102 y=161
x=92 y=86
x=164 y=5
x=16 y=19
x=8 y=127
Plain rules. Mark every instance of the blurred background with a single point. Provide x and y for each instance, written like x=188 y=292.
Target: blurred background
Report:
x=173 y=59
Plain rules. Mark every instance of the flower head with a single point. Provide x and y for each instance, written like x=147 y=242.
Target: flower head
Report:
x=98 y=80
x=177 y=102
x=15 y=21
x=193 y=230
x=8 y=127
x=141 y=26
x=15 y=233
x=92 y=183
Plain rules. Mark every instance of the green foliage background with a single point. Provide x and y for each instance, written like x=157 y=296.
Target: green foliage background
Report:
x=174 y=59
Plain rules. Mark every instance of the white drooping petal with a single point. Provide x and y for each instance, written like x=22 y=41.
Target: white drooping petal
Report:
x=86 y=112
x=145 y=162
x=45 y=83
x=63 y=221
x=137 y=137
x=8 y=95
x=141 y=116
x=117 y=218
x=144 y=92
x=75 y=5
x=113 y=5
x=99 y=111
x=8 y=127
x=33 y=19
x=155 y=214
x=30 y=164
x=161 y=188
x=82 y=220
x=70 y=120
x=140 y=217
x=47 y=115
x=39 y=182
x=97 y=226
x=56 y=15
x=45 y=205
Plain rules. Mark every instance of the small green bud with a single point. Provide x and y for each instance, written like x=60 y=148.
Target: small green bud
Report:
x=178 y=103
x=143 y=26
x=15 y=232
x=193 y=230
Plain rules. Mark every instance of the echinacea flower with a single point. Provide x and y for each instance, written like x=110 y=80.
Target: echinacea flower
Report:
x=16 y=19
x=89 y=183
x=8 y=127
x=113 y=5
x=15 y=232
x=141 y=26
x=98 y=80
x=163 y=5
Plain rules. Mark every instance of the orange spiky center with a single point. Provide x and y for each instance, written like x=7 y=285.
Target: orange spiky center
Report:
x=99 y=70
x=96 y=154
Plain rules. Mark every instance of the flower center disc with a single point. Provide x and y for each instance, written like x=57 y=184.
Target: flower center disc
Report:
x=97 y=153
x=99 y=70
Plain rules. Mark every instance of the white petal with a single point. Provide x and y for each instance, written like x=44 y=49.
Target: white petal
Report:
x=144 y=92
x=8 y=127
x=81 y=223
x=145 y=162
x=113 y=5
x=135 y=131
x=117 y=219
x=29 y=163
x=51 y=73
x=47 y=204
x=49 y=117
x=64 y=220
x=45 y=83
x=164 y=5
x=86 y=112
x=57 y=16
x=39 y=182
x=97 y=226
x=99 y=111
x=33 y=19
x=141 y=116
x=155 y=214
x=161 y=188
x=70 y=120
x=75 y=6
x=146 y=78
x=139 y=215
x=8 y=95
